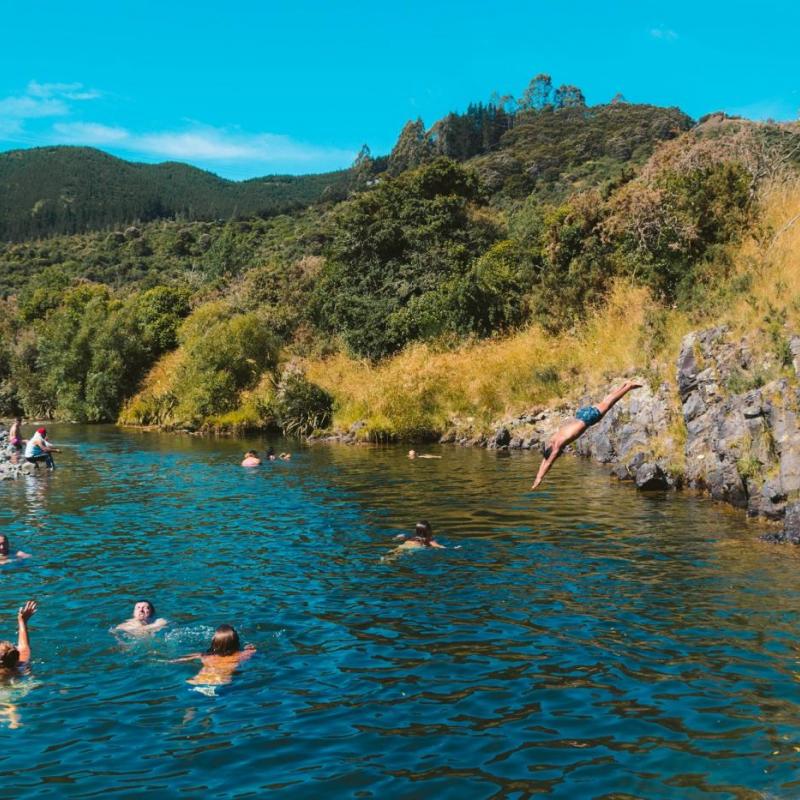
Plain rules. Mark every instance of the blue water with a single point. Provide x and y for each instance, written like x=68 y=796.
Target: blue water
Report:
x=585 y=642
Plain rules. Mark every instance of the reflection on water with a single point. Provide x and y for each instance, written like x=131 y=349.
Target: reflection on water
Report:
x=586 y=641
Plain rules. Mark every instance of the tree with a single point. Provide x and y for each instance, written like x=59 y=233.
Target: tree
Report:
x=412 y=150
x=568 y=97
x=538 y=94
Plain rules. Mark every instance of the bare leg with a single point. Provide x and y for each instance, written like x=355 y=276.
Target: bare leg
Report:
x=609 y=400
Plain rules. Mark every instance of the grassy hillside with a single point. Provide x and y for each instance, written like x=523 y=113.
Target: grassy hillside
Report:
x=51 y=190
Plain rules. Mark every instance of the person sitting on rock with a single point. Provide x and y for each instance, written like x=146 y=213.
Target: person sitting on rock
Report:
x=251 y=459
x=39 y=449
x=584 y=418
x=5 y=551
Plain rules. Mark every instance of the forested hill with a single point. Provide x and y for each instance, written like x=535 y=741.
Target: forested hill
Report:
x=49 y=190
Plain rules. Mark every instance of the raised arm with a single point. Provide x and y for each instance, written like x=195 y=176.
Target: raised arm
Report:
x=23 y=640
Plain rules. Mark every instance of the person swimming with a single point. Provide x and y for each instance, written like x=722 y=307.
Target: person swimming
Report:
x=15 y=658
x=420 y=539
x=412 y=454
x=5 y=551
x=220 y=660
x=143 y=621
x=584 y=418
x=15 y=661
x=251 y=459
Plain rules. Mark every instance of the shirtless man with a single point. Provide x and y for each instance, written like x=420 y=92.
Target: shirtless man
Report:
x=5 y=551
x=584 y=418
x=143 y=620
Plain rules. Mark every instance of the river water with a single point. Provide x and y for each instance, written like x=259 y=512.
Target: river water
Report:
x=584 y=642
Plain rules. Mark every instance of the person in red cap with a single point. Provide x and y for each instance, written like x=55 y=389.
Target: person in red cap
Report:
x=39 y=449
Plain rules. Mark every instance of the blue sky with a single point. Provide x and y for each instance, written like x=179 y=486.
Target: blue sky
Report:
x=247 y=88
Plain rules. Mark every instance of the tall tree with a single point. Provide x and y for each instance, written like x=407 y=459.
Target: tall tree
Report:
x=413 y=148
x=538 y=95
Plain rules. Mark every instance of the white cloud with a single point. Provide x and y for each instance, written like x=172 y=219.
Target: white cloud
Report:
x=218 y=144
x=663 y=33
x=200 y=143
x=92 y=133
x=31 y=107
x=69 y=91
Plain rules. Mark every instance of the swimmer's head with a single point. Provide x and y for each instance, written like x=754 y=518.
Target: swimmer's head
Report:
x=412 y=453
x=251 y=454
x=4 y=545
x=143 y=611
x=225 y=642
x=423 y=530
x=9 y=655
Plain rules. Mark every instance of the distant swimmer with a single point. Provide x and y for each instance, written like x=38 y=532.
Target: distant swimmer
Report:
x=414 y=454
x=285 y=456
x=143 y=621
x=271 y=454
x=14 y=659
x=6 y=555
x=39 y=449
x=221 y=659
x=584 y=418
x=251 y=459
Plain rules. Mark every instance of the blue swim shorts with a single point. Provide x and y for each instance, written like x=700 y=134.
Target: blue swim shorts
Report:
x=589 y=414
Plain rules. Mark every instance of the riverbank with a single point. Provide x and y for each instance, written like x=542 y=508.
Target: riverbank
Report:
x=726 y=426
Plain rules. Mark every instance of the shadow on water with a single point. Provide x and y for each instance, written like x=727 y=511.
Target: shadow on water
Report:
x=585 y=641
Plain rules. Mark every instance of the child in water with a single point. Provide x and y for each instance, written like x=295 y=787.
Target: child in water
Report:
x=221 y=658
x=251 y=459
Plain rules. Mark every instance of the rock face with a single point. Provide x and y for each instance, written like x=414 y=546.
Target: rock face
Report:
x=742 y=439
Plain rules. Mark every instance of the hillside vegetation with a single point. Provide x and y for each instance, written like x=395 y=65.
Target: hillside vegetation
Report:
x=51 y=190
x=436 y=293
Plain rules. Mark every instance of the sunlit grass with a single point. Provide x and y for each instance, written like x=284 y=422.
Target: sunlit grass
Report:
x=423 y=390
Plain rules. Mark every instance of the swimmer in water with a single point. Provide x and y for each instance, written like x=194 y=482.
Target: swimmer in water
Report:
x=143 y=620
x=5 y=551
x=421 y=539
x=221 y=659
x=251 y=459
x=412 y=454
x=14 y=659
x=285 y=456
x=584 y=418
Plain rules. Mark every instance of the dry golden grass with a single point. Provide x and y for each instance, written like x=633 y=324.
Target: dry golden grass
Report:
x=771 y=261
x=422 y=390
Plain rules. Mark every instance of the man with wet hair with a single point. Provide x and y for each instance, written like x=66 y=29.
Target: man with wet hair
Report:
x=143 y=620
